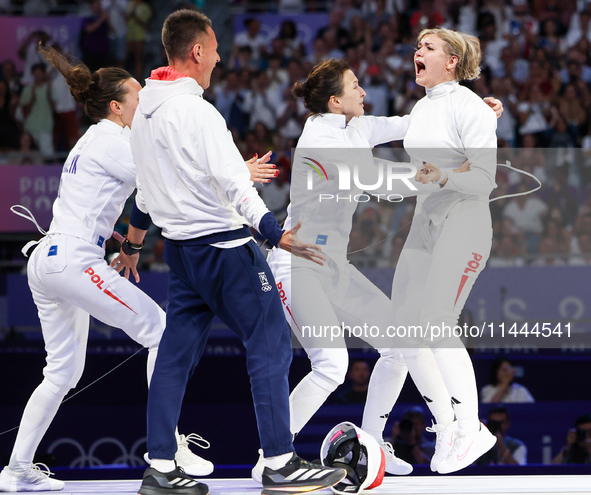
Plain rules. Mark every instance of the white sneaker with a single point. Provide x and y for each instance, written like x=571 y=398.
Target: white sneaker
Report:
x=466 y=449
x=257 y=470
x=444 y=442
x=34 y=479
x=192 y=464
x=394 y=465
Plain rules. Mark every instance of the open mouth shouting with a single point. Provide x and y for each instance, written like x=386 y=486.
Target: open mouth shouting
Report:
x=419 y=68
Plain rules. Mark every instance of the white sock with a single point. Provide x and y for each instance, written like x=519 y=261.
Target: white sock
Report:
x=37 y=416
x=163 y=465
x=385 y=384
x=425 y=373
x=458 y=373
x=304 y=401
x=278 y=461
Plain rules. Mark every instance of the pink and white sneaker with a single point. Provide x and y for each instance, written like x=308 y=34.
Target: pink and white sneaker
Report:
x=446 y=435
x=466 y=449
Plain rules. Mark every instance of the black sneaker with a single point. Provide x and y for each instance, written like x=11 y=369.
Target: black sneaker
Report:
x=299 y=476
x=174 y=483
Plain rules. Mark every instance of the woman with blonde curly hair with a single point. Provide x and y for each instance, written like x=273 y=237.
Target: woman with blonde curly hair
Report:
x=451 y=234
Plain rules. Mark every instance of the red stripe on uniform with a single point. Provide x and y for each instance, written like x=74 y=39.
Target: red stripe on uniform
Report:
x=290 y=314
x=462 y=283
x=109 y=293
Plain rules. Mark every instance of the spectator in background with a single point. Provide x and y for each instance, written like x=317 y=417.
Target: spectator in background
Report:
x=94 y=37
x=427 y=17
x=560 y=233
x=504 y=253
x=503 y=90
x=294 y=49
x=38 y=102
x=27 y=153
x=501 y=387
x=28 y=52
x=262 y=101
x=252 y=38
x=507 y=450
x=358 y=376
x=319 y=53
x=291 y=114
x=570 y=109
x=377 y=12
x=550 y=41
x=66 y=128
x=408 y=438
x=561 y=196
x=225 y=94
x=577 y=68
x=117 y=10
x=139 y=14
x=14 y=85
x=578 y=27
x=548 y=253
x=241 y=58
x=584 y=258
x=577 y=449
x=8 y=126
x=527 y=213
x=278 y=76
x=535 y=114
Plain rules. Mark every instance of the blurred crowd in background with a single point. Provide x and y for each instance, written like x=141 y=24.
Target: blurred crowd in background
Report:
x=536 y=60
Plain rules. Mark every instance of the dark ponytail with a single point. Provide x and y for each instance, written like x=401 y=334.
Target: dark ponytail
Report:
x=95 y=91
x=325 y=80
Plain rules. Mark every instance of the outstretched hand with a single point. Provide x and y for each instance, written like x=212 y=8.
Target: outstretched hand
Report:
x=260 y=170
x=124 y=262
x=290 y=242
x=496 y=105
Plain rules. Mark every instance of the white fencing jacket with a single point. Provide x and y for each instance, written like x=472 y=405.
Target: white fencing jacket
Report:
x=450 y=125
x=331 y=141
x=97 y=179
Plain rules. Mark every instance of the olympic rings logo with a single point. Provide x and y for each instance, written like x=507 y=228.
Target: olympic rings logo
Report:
x=130 y=458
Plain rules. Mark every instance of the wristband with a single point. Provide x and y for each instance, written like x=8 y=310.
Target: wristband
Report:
x=130 y=249
x=139 y=219
x=441 y=179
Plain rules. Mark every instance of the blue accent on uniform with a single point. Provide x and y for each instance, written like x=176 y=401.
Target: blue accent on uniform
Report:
x=270 y=229
x=139 y=219
x=228 y=235
x=71 y=167
x=52 y=251
x=321 y=239
x=100 y=241
x=205 y=281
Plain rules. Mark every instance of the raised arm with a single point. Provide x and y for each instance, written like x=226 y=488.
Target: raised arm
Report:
x=476 y=126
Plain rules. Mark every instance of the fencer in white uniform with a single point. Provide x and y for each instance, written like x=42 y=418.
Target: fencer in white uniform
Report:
x=67 y=272
x=451 y=233
x=338 y=292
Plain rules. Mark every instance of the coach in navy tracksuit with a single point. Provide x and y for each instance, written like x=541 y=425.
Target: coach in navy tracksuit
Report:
x=195 y=186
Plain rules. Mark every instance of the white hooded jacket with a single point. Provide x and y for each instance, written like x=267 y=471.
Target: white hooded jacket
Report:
x=191 y=178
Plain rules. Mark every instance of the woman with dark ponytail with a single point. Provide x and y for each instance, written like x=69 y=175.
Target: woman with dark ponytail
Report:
x=67 y=272
x=335 y=149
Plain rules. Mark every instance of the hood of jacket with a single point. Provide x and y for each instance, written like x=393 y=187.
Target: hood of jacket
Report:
x=165 y=83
